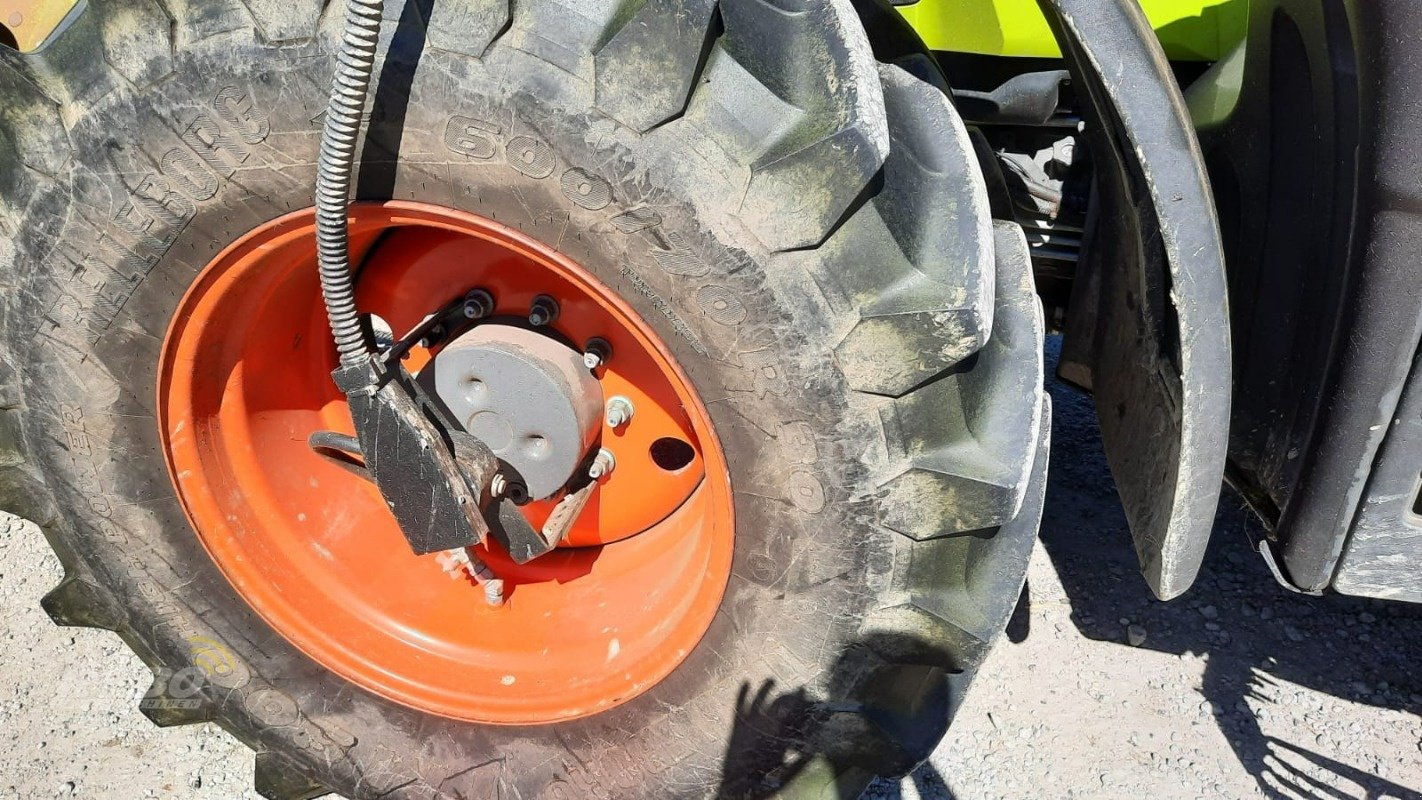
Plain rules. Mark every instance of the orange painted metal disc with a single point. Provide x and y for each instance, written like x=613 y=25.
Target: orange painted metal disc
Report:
x=245 y=378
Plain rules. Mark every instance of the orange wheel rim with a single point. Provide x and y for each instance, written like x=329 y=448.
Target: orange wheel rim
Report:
x=245 y=378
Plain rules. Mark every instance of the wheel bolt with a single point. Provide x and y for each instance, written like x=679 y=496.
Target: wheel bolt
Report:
x=619 y=411
x=499 y=486
x=602 y=464
x=478 y=303
x=494 y=592
x=432 y=336
x=596 y=352
x=543 y=311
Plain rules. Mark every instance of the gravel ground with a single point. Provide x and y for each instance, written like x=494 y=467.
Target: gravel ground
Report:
x=1239 y=689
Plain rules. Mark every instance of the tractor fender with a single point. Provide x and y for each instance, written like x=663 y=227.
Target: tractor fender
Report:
x=1148 y=322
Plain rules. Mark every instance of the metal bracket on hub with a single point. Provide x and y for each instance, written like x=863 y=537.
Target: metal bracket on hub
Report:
x=518 y=538
x=423 y=441
x=431 y=476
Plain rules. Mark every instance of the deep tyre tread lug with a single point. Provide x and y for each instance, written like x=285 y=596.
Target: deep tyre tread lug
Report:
x=33 y=149
x=646 y=69
x=567 y=33
x=996 y=566
x=977 y=479
x=954 y=596
x=167 y=710
x=10 y=398
x=31 y=129
x=286 y=20
x=957 y=594
x=917 y=261
x=814 y=57
x=23 y=493
x=814 y=185
x=468 y=27
x=136 y=40
x=72 y=70
x=930 y=179
x=11 y=438
x=76 y=602
x=195 y=20
x=277 y=777
x=893 y=716
x=822 y=778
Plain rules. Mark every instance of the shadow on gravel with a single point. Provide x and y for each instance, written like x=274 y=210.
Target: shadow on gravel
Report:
x=1258 y=638
x=886 y=706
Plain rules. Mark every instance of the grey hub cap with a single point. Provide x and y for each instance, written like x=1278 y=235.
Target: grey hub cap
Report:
x=528 y=397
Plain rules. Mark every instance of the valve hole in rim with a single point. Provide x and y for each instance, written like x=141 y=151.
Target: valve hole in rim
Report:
x=671 y=454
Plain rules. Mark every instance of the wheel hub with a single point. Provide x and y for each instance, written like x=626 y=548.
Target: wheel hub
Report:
x=526 y=395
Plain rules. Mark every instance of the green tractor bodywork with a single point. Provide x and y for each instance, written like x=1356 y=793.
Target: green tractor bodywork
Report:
x=1190 y=30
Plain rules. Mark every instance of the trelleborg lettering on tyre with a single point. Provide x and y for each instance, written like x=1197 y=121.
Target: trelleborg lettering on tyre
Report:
x=127 y=230
x=152 y=213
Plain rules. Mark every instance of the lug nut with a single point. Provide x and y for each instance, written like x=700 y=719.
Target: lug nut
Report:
x=602 y=465
x=619 y=411
x=478 y=303
x=485 y=577
x=432 y=337
x=543 y=311
x=596 y=353
x=458 y=563
x=499 y=486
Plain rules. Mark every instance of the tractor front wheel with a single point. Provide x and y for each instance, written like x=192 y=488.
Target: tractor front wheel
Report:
x=822 y=504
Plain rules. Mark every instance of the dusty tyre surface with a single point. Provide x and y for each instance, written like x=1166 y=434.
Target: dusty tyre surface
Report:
x=805 y=228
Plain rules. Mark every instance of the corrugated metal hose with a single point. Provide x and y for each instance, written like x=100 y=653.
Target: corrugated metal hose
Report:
x=349 y=87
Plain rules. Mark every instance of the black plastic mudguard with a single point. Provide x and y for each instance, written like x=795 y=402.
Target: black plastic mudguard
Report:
x=1148 y=326
x=1312 y=133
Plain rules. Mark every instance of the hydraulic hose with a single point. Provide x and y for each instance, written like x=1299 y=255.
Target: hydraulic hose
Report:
x=354 y=65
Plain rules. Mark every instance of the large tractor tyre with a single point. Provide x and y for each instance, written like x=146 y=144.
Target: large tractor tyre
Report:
x=796 y=239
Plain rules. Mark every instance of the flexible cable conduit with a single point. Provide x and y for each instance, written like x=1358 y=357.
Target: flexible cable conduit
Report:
x=354 y=65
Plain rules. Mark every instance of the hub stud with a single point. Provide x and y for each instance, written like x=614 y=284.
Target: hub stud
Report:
x=602 y=465
x=619 y=411
x=478 y=303
x=596 y=353
x=543 y=311
x=500 y=486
